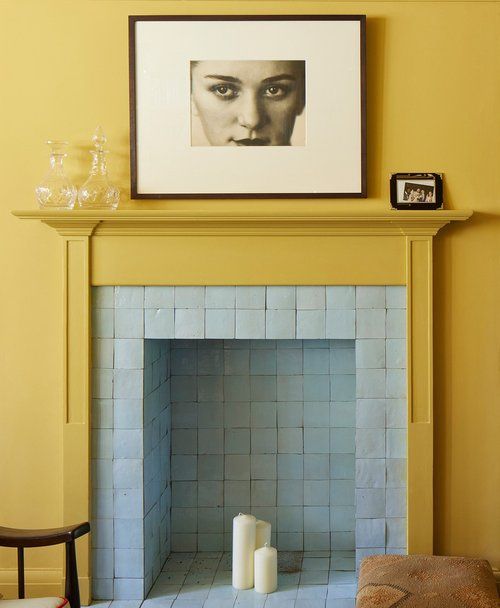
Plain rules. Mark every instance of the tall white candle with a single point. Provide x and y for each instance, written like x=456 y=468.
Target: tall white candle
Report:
x=266 y=569
x=263 y=534
x=243 y=550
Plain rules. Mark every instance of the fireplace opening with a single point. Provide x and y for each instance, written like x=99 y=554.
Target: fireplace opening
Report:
x=267 y=427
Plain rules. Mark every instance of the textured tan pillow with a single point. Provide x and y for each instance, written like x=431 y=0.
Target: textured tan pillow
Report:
x=422 y=581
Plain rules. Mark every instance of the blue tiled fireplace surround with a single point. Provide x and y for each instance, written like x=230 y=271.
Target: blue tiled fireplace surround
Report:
x=287 y=402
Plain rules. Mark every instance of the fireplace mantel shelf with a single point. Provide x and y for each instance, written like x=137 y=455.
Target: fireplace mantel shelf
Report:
x=170 y=222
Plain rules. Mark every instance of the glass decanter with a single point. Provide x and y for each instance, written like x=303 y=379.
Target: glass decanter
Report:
x=98 y=192
x=56 y=190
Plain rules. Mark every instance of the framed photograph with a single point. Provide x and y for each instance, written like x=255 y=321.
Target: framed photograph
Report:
x=416 y=190
x=247 y=106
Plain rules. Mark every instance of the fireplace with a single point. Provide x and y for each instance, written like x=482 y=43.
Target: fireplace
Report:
x=304 y=246
x=288 y=402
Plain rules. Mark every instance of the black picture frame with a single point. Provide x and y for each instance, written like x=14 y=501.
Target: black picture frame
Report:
x=422 y=191
x=142 y=187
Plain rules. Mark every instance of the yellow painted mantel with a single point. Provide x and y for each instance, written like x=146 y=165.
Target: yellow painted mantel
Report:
x=166 y=222
x=172 y=247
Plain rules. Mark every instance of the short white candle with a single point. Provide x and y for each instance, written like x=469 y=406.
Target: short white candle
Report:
x=266 y=569
x=263 y=534
x=243 y=550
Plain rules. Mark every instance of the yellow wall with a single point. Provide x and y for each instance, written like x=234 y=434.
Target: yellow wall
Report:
x=433 y=104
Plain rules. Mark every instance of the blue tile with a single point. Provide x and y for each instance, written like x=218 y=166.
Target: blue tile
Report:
x=210 y=415
x=184 y=467
x=184 y=441
x=210 y=360
x=316 y=440
x=343 y=518
x=316 y=387
x=316 y=413
x=262 y=388
x=210 y=493
x=342 y=466
x=316 y=361
x=343 y=414
x=183 y=361
x=263 y=362
x=316 y=519
x=289 y=361
x=342 y=441
x=237 y=467
x=210 y=388
x=290 y=441
x=211 y=467
x=237 y=414
x=263 y=493
x=210 y=441
x=278 y=297
x=236 y=388
x=263 y=466
x=237 y=361
x=290 y=388
x=290 y=414
x=290 y=466
x=290 y=493
x=237 y=441
x=263 y=414
x=342 y=360
x=184 y=415
x=183 y=388
x=316 y=492
x=290 y=519
x=342 y=493
x=264 y=441
x=316 y=466
x=343 y=387
x=236 y=493
x=220 y=297
x=184 y=493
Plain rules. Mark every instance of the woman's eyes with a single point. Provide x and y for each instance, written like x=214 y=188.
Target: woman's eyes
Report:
x=230 y=91
x=275 y=91
x=225 y=91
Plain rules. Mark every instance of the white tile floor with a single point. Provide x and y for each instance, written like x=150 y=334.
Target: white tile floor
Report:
x=203 y=580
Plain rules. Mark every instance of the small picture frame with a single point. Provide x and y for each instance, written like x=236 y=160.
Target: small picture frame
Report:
x=416 y=191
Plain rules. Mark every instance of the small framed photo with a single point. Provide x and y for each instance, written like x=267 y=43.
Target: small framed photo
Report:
x=247 y=106
x=416 y=191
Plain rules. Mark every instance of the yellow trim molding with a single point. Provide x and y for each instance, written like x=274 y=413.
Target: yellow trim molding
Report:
x=211 y=223
x=213 y=248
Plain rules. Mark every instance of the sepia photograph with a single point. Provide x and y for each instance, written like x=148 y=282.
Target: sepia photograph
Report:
x=247 y=106
x=418 y=193
x=247 y=103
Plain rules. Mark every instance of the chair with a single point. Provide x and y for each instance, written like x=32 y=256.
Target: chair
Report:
x=12 y=537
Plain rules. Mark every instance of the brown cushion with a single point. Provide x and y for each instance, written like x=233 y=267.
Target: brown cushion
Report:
x=36 y=602
x=422 y=581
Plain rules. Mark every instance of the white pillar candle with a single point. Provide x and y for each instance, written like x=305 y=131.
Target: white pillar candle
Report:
x=243 y=550
x=262 y=534
x=266 y=569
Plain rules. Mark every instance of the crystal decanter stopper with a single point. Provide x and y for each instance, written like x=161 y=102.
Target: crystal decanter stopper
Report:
x=56 y=190
x=97 y=192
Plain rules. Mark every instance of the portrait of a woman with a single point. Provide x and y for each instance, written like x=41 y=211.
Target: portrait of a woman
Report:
x=246 y=103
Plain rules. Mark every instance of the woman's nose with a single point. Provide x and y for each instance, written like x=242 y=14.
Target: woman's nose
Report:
x=250 y=113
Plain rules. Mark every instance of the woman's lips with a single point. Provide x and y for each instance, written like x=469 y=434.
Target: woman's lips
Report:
x=256 y=141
